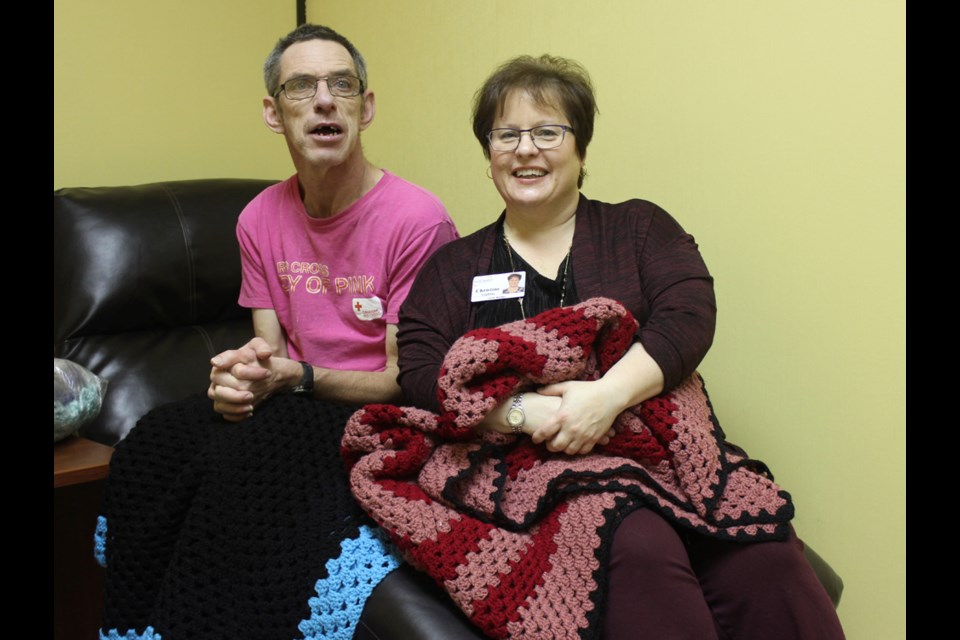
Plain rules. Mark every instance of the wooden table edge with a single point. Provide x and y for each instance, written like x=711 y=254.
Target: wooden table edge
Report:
x=77 y=460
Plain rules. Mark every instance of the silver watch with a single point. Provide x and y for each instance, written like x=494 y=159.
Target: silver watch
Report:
x=515 y=415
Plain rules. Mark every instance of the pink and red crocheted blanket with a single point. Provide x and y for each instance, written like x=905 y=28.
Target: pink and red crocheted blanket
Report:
x=518 y=536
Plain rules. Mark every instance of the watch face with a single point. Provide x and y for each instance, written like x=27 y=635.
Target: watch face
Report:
x=514 y=417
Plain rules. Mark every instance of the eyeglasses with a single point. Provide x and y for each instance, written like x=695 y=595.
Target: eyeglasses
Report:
x=548 y=136
x=305 y=87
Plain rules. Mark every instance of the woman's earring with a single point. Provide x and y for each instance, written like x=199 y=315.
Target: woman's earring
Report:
x=488 y=173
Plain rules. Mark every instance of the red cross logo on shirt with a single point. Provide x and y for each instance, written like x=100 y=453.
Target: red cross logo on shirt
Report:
x=358 y=307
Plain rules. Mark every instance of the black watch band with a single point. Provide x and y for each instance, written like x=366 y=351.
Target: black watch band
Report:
x=306 y=382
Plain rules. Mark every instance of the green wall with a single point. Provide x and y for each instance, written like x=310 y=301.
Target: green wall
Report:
x=773 y=131
x=148 y=91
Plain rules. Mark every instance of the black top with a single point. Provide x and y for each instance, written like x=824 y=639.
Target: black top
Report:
x=540 y=292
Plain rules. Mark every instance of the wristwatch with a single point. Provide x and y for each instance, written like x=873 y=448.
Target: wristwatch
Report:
x=515 y=415
x=306 y=382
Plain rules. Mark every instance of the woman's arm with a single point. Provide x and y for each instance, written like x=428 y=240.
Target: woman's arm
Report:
x=678 y=327
x=673 y=299
x=434 y=314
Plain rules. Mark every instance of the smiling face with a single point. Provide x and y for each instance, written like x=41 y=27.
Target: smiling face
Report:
x=322 y=131
x=530 y=179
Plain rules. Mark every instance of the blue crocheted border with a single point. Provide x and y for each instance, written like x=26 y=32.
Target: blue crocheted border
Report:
x=130 y=634
x=100 y=541
x=364 y=561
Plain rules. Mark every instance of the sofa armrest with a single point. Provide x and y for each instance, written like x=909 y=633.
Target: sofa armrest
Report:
x=829 y=578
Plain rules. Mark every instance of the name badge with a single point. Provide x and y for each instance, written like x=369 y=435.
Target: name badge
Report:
x=368 y=308
x=498 y=286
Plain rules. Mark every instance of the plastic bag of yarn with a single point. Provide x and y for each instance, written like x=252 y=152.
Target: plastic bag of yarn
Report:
x=77 y=397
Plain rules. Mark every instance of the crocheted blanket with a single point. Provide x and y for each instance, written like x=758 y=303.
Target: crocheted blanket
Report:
x=213 y=530
x=519 y=537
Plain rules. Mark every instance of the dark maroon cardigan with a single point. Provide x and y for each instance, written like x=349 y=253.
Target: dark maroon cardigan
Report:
x=633 y=252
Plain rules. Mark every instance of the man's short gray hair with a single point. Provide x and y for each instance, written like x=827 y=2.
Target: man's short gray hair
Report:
x=304 y=33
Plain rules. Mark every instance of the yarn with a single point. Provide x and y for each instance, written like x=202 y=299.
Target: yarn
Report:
x=220 y=530
x=131 y=634
x=350 y=580
x=100 y=542
x=77 y=397
x=519 y=536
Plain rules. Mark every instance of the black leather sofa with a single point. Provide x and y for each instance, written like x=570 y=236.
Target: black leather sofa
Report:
x=145 y=286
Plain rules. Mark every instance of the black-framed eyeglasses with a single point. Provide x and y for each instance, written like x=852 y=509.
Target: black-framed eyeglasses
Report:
x=547 y=136
x=303 y=87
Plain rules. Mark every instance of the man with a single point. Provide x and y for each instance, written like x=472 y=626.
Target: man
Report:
x=329 y=255
x=213 y=530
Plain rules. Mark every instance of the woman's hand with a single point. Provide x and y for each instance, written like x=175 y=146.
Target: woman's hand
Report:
x=583 y=420
x=588 y=408
x=574 y=416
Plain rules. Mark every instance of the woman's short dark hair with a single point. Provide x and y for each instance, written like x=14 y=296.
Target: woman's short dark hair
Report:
x=551 y=81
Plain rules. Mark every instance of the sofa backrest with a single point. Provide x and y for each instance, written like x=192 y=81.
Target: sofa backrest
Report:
x=145 y=286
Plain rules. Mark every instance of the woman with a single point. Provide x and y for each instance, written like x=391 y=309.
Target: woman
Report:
x=534 y=120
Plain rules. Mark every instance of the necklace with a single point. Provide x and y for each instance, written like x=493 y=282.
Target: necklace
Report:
x=563 y=282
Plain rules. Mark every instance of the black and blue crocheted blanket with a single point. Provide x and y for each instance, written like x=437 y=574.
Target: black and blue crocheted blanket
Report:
x=216 y=530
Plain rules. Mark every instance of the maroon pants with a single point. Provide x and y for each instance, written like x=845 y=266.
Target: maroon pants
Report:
x=670 y=585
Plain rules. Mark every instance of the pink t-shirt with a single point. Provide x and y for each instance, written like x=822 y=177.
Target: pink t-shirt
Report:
x=335 y=283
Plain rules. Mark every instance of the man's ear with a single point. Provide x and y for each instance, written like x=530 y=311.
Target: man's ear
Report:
x=272 y=115
x=369 y=110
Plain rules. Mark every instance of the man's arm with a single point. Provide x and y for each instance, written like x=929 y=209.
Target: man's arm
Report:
x=243 y=378
x=266 y=325
x=360 y=387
